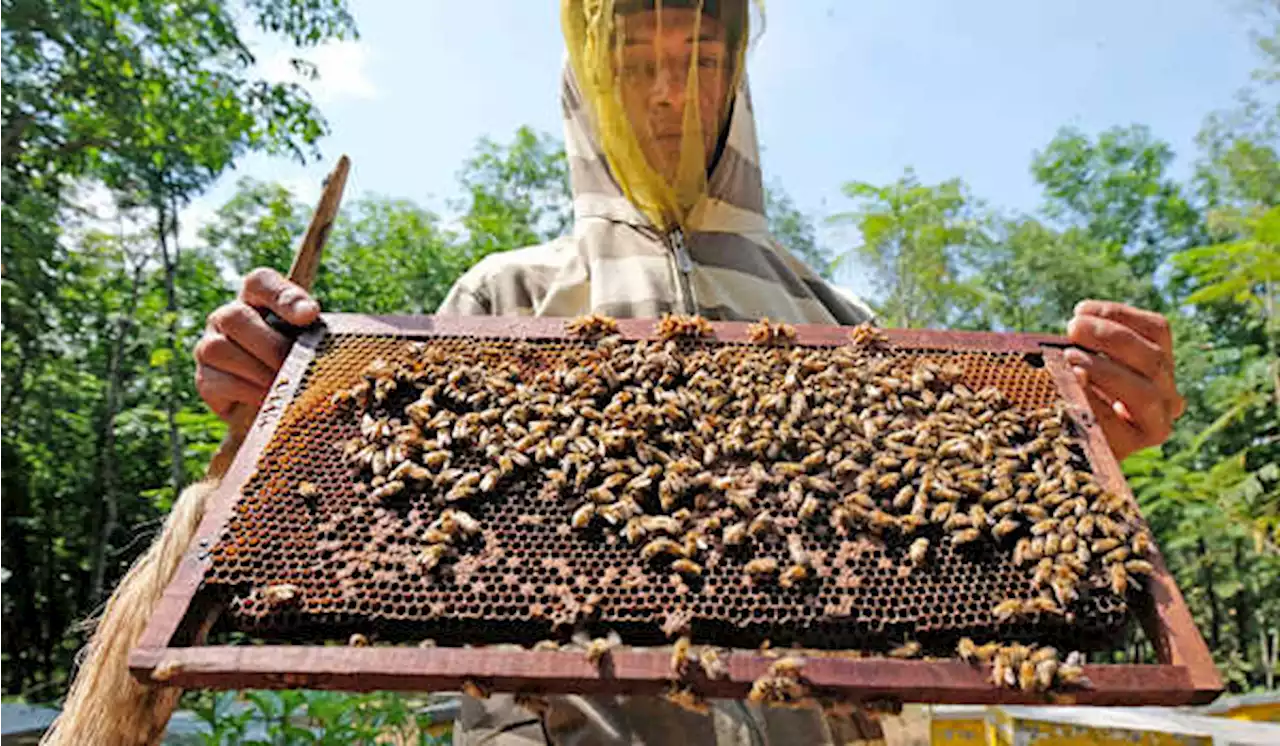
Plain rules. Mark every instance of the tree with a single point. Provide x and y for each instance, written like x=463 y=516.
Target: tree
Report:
x=1116 y=191
x=911 y=234
x=794 y=230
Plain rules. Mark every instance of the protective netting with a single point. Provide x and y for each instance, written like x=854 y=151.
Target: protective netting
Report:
x=659 y=77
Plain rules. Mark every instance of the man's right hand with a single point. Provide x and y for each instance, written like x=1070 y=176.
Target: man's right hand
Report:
x=239 y=355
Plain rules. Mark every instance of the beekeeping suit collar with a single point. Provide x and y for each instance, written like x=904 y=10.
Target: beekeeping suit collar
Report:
x=612 y=177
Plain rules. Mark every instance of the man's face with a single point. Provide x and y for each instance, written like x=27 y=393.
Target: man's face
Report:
x=655 y=63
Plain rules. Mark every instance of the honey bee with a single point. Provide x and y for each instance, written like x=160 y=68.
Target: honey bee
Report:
x=762 y=566
x=1071 y=674
x=166 y=670
x=1119 y=554
x=1139 y=567
x=599 y=648
x=886 y=482
x=686 y=566
x=763 y=523
x=358 y=640
x=1118 y=578
x=1033 y=512
x=1027 y=675
x=308 y=489
x=661 y=546
x=583 y=515
x=965 y=536
x=430 y=557
x=389 y=489
x=1040 y=528
x=808 y=508
x=1064 y=590
x=1043 y=572
x=793 y=575
x=1141 y=543
x=1007 y=609
x=918 y=552
x=909 y=649
x=1004 y=527
x=283 y=593
x=957 y=521
x=475 y=689
x=712 y=664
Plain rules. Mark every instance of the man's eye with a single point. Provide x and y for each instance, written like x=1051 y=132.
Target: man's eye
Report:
x=708 y=63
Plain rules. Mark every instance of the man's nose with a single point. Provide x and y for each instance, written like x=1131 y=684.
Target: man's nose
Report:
x=668 y=86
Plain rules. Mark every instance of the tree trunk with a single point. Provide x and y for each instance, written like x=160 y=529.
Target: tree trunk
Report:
x=176 y=470
x=1244 y=607
x=1206 y=579
x=109 y=506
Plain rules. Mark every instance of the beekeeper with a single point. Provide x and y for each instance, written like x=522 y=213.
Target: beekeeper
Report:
x=668 y=207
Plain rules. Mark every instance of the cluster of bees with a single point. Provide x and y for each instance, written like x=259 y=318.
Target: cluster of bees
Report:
x=697 y=454
x=1031 y=668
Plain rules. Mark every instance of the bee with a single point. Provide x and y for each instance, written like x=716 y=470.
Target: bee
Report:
x=881 y=521
x=1027 y=675
x=808 y=508
x=904 y=497
x=308 y=489
x=1118 y=578
x=862 y=499
x=358 y=640
x=1033 y=512
x=965 y=536
x=475 y=689
x=166 y=670
x=907 y=524
x=1007 y=609
x=454 y=521
x=761 y=524
x=762 y=566
x=712 y=665
x=430 y=557
x=660 y=547
x=1139 y=567
x=1040 y=605
x=1040 y=528
x=734 y=534
x=389 y=489
x=660 y=524
x=599 y=648
x=1004 y=527
x=941 y=512
x=1102 y=546
x=1072 y=674
x=583 y=515
x=1043 y=572
x=1064 y=590
x=283 y=593
x=1085 y=526
x=918 y=552
x=957 y=521
x=1052 y=544
x=1141 y=544
x=977 y=515
x=886 y=482
x=1119 y=554
x=909 y=649
x=686 y=566
x=792 y=575
x=1002 y=670
x=1045 y=670
x=680 y=656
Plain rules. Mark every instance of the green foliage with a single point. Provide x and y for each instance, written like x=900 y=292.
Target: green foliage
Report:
x=794 y=230
x=312 y=718
x=910 y=235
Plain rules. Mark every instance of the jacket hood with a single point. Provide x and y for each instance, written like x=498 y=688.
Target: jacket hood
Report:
x=733 y=202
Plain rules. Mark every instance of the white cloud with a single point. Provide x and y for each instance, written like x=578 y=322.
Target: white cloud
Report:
x=342 y=67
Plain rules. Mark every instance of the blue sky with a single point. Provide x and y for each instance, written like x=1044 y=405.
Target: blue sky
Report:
x=844 y=90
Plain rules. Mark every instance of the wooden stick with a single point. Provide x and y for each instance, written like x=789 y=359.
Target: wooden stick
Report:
x=106 y=705
x=306 y=263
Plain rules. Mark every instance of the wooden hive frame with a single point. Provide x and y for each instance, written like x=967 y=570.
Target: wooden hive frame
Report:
x=172 y=650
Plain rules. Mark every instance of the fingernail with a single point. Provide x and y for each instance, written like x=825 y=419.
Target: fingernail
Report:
x=1081 y=375
x=1071 y=328
x=305 y=307
x=1075 y=357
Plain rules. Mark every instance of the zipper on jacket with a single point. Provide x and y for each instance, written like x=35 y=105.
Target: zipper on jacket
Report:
x=684 y=267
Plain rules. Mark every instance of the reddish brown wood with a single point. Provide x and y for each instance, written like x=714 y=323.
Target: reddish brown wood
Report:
x=631 y=671
x=1186 y=674
x=1167 y=622
x=725 y=331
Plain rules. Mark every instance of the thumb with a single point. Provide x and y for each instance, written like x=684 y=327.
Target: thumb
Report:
x=267 y=288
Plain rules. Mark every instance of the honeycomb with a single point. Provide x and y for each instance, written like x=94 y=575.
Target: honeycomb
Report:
x=318 y=546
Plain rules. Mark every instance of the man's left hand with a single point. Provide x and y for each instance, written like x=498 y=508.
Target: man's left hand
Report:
x=1127 y=372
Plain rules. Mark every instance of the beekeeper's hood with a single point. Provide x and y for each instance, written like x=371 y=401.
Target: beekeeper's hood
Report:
x=658 y=79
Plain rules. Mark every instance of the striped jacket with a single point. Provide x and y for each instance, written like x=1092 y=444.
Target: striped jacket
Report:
x=727 y=267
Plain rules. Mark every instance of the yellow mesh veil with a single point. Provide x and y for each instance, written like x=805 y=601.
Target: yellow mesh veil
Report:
x=658 y=78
